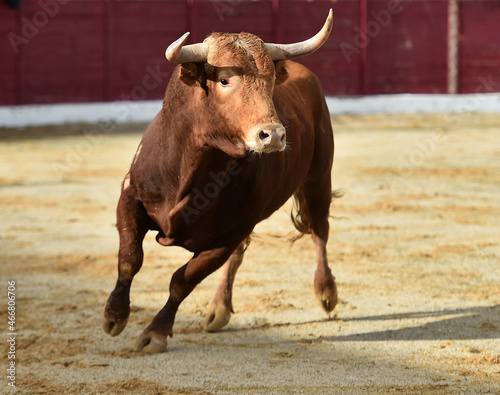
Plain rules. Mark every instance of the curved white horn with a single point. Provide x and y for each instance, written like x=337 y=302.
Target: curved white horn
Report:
x=194 y=53
x=296 y=50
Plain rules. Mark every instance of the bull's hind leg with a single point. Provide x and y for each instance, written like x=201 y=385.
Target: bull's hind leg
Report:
x=219 y=311
x=315 y=198
x=132 y=221
x=324 y=282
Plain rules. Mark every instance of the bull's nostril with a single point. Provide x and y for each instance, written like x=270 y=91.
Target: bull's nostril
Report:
x=263 y=135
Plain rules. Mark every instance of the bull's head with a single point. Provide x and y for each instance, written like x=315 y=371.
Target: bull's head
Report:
x=238 y=73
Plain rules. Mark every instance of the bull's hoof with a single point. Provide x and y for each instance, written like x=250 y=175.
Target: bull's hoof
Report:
x=327 y=295
x=151 y=342
x=328 y=302
x=218 y=317
x=116 y=313
x=113 y=327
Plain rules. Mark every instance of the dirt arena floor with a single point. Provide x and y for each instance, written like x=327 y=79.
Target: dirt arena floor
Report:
x=414 y=247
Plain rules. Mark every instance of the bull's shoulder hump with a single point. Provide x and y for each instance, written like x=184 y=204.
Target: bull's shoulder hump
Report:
x=300 y=74
x=297 y=70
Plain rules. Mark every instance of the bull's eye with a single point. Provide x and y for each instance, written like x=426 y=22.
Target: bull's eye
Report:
x=224 y=82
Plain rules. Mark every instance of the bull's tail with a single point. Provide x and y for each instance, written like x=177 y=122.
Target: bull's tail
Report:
x=300 y=214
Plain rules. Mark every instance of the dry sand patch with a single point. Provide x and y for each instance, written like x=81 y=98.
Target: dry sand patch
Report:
x=414 y=247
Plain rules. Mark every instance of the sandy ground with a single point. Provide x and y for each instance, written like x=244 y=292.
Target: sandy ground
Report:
x=414 y=247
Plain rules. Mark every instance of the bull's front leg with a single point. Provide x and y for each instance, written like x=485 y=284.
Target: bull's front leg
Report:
x=219 y=311
x=154 y=338
x=132 y=227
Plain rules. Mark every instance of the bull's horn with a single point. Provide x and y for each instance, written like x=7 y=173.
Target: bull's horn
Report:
x=194 y=53
x=295 y=50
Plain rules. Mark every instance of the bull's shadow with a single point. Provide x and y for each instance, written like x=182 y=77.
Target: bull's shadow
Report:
x=472 y=323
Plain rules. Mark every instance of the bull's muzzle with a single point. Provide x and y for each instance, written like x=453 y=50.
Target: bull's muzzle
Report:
x=270 y=138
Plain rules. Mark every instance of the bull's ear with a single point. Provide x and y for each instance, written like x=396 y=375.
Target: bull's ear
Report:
x=281 y=72
x=192 y=73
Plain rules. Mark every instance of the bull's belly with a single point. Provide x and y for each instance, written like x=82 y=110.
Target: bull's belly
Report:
x=197 y=227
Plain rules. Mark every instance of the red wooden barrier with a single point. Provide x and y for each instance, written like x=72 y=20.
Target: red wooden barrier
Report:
x=408 y=49
x=100 y=50
x=479 y=46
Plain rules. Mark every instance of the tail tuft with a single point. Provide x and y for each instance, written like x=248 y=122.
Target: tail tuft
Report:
x=300 y=215
x=337 y=194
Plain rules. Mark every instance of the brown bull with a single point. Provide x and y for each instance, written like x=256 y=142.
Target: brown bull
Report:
x=242 y=129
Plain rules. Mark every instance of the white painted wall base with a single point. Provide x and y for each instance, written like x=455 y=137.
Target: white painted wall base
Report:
x=409 y=103
x=145 y=111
